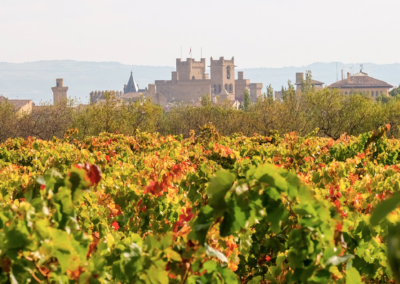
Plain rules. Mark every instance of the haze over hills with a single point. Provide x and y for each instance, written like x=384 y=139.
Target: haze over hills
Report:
x=33 y=80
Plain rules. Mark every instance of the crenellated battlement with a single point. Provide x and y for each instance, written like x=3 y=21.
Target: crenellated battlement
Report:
x=191 y=61
x=95 y=96
x=189 y=69
x=222 y=60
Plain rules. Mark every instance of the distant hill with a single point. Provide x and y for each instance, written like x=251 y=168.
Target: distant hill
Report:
x=33 y=80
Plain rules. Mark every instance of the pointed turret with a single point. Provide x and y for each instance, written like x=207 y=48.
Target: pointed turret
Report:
x=132 y=87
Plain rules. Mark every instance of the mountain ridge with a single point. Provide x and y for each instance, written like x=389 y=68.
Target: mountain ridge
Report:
x=33 y=80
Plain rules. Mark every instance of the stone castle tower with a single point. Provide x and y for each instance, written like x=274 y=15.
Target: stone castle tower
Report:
x=223 y=77
x=59 y=92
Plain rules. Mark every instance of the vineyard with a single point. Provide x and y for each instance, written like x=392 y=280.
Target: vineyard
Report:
x=206 y=209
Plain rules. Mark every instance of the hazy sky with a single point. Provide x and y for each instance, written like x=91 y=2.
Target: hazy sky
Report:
x=259 y=33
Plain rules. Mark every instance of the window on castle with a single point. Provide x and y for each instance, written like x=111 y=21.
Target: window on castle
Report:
x=226 y=87
x=372 y=93
x=58 y=85
x=230 y=88
x=228 y=72
x=219 y=89
x=215 y=89
x=193 y=78
x=346 y=93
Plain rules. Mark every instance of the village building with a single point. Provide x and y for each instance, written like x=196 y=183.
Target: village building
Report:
x=298 y=83
x=190 y=82
x=20 y=106
x=300 y=79
x=131 y=92
x=361 y=82
x=59 y=92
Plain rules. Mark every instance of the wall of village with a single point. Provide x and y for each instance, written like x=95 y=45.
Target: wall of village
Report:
x=182 y=91
x=374 y=92
x=96 y=96
x=241 y=85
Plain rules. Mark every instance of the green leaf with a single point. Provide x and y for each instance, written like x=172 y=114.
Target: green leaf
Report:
x=63 y=259
x=384 y=208
x=353 y=277
x=201 y=224
x=218 y=187
x=209 y=265
x=255 y=280
x=269 y=174
x=213 y=252
x=228 y=275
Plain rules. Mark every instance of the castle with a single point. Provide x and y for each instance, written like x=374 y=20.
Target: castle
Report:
x=59 y=92
x=190 y=81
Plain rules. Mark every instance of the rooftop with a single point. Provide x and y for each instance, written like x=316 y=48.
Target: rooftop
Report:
x=361 y=80
x=17 y=103
x=132 y=87
x=314 y=82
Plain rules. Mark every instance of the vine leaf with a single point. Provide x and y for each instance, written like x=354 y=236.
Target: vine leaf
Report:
x=353 y=277
x=384 y=208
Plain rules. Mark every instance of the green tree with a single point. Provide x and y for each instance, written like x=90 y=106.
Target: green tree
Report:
x=307 y=85
x=395 y=91
x=288 y=93
x=246 y=100
x=205 y=100
x=270 y=92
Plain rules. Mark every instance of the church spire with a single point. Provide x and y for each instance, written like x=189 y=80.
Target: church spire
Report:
x=131 y=87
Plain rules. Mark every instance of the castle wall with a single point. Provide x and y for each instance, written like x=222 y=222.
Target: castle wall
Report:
x=183 y=91
x=255 y=91
x=96 y=96
x=241 y=85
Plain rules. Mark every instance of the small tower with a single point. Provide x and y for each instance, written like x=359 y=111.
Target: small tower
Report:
x=223 y=76
x=132 y=87
x=59 y=92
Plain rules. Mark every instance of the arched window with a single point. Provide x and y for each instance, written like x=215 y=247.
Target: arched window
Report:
x=215 y=89
x=219 y=87
x=230 y=88
x=228 y=72
x=372 y=93
x=226 y=87
x=193 y=78
x=346 y=93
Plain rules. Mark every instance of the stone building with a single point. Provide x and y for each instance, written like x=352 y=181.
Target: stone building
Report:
x=59 y=92
x=20 y=106
x=299 y=79
x=131 y=92
x=361 y=82
x=189 y=82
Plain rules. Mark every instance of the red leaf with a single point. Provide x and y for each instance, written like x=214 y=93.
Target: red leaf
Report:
x=115 y=225
x=94 y=173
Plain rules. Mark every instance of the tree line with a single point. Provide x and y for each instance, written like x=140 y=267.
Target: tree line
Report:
x=329 y=110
